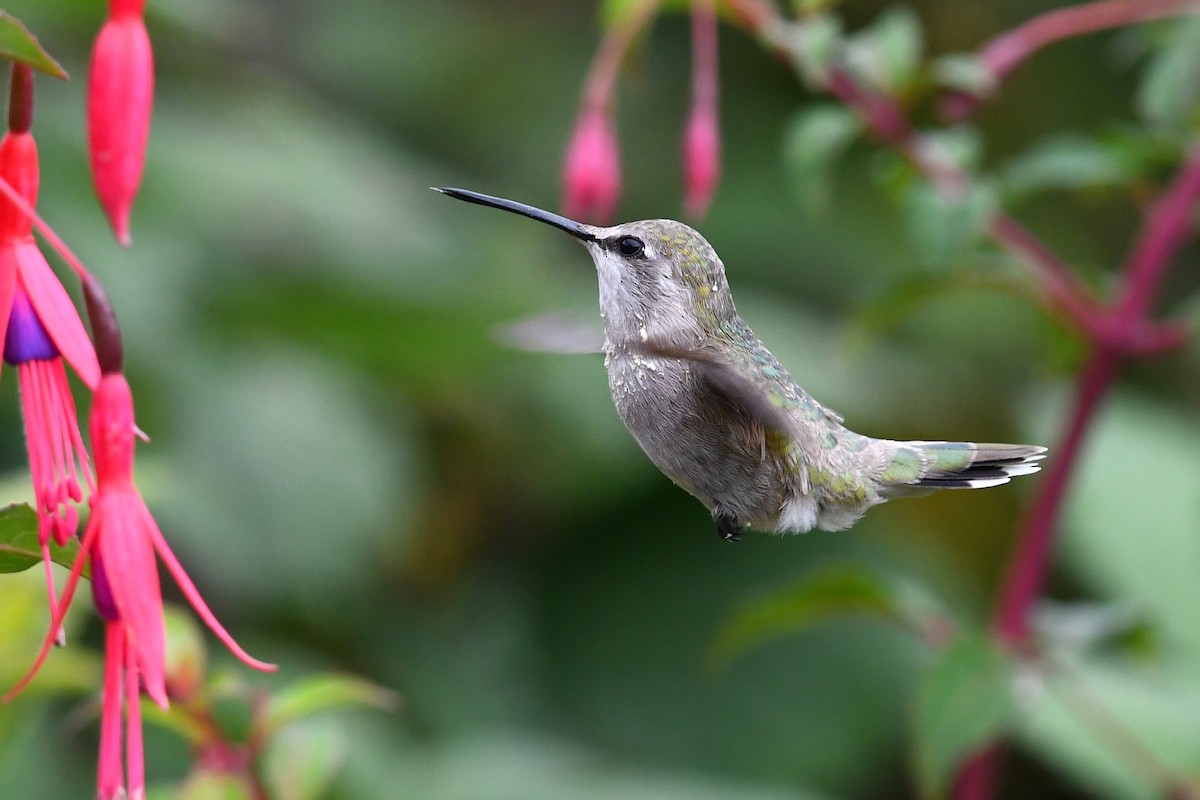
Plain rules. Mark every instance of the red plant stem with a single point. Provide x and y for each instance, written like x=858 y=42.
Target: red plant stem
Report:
x=1030 y=562
x=977 y=775
x=1003 y=53
x=704 y=53
x=1165 y=229
x=1063 y=286
x=602 y=75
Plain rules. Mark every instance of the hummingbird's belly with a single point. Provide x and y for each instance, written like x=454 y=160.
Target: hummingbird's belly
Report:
x=699 y=441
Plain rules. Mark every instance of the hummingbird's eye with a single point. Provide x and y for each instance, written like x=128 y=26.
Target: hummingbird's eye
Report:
x=630 y=246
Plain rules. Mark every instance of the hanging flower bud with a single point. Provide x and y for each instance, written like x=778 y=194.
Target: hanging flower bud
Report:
x=120 y=95
x=592 y=174
x=701 y=161
x=702 y=137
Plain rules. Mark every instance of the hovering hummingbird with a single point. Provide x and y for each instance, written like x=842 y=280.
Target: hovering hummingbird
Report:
x=716 y=411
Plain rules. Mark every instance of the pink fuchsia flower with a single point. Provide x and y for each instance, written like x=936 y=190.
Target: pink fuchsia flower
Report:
x=39 y=329
x=119 y=101
x=701 y=161
x=124 y=540
x=702 y=136
x=592 y=172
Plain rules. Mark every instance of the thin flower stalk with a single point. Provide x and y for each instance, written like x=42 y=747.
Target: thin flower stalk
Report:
x=702 y=136
x=592 y=167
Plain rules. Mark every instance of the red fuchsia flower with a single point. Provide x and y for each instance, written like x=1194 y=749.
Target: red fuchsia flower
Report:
x=592 y=173
x=120 y=96
x=121 y=541
x=702 y=137
x=39 y=329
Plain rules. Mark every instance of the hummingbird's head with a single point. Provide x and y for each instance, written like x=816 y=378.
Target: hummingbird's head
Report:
x=659 y=279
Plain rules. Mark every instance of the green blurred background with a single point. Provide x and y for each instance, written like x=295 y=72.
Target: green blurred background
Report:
x=360 y=478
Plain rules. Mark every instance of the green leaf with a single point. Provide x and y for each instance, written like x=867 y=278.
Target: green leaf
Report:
x=964 y=72
x=318 y=693
x=804 y=8
x=816 y=136
x=1131 y=523
x=19 y=545
x=964 y=702
x=878 y=317
x=944 y=228
x=959 y=147
x=832 y=593
x=814 y=43
x=18 y=44
x=301 y=762
x=613 y=11
x=1064 y=162
x=888 y=53
x=186 y=654
x=1119 y=729
x=1169 y=93
x=203 y=784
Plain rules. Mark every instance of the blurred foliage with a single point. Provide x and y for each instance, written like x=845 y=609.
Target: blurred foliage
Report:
x=362 y=481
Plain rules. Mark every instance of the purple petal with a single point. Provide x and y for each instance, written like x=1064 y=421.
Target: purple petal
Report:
x=27 y=339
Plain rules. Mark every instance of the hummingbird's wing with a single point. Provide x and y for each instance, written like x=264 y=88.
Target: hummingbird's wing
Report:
x=731 y=383
x=557 y=332
x=741 y=369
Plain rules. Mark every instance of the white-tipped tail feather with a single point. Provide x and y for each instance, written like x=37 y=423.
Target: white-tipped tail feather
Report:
x=967 y=465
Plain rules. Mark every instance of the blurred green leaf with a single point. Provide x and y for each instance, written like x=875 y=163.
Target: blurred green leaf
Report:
x=19 y=545
x=301 y=762
x=1132 y=525
x=832 y=593
x=878 y=316
x=1168 y=95
x=1064 y=162
x=177 y=719
x=958 y=147
x=888 y=52
x=612 y=11
x=1078 y=628
x=815 y=43
x=318 y=693
x=806 y=7
x=816 y=136
x=943 y=228
x=964 y=72
x=204 y=784
x=964 y=702
x=186 y=653
x=1118 y=729
x=18 y=44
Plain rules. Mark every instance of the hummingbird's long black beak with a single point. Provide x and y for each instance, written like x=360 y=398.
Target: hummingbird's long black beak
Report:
x=576 y=229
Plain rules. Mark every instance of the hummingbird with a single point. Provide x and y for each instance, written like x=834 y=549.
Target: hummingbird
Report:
x=720 y=416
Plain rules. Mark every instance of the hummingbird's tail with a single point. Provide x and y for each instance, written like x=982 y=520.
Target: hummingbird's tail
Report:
x=959 y=465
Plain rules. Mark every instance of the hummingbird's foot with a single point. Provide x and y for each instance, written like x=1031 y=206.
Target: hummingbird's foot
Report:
x=727 y=525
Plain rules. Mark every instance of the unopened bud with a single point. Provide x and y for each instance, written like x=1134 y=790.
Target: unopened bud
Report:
x=106 y=333
x=592 y=173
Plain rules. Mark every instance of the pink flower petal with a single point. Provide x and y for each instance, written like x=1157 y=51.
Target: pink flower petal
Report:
x=108 y=777
x=135 y=756
x=193 y=595
x=128 y=553
x=58 y=315
x=8 y=287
